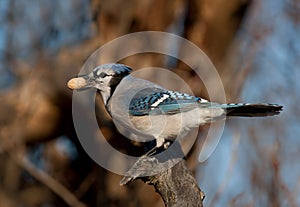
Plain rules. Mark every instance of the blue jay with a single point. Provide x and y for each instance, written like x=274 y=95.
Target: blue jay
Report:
x=147 y=111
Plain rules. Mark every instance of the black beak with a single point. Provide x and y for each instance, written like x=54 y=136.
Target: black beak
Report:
x=82 y=82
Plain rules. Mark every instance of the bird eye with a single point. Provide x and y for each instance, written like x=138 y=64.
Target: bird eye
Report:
x=100 y=75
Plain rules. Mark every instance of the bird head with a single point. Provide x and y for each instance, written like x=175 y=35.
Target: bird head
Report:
x=104 y=77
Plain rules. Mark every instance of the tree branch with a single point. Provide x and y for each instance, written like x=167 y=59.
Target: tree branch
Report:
x=47 y=180
x=177 y=186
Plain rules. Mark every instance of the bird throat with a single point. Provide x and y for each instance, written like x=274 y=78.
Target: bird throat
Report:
x=110 y=90
x=106 y=95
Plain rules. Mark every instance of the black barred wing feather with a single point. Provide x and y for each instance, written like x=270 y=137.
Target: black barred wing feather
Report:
x=163 y=102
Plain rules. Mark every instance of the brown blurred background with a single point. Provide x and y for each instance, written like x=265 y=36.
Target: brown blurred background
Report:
x=253 y=44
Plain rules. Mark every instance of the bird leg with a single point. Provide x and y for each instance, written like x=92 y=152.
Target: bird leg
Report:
x=159 y=148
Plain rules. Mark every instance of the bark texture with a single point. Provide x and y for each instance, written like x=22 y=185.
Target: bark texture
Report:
x=178 y=187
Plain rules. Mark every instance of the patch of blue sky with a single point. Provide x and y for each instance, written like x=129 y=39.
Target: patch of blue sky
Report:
x=212 y=177
x=277 y=79
x=274 y=78
x=4 y=5
x=3 y=40
x=50 y=25
x=3 y=27
x=22 y=40
x=75 y=24
x=274 y=65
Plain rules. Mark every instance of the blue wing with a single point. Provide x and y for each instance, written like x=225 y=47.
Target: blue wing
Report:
x=158 y=101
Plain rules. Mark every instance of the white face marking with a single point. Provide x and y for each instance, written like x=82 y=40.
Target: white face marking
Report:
x=165 y=96
x=203 y=100
x=98 y=72
x=103 y=84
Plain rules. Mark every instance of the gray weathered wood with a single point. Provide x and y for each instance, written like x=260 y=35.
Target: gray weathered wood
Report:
x=177 y=186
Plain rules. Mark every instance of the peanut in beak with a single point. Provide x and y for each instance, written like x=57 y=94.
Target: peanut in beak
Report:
x=76 y=83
